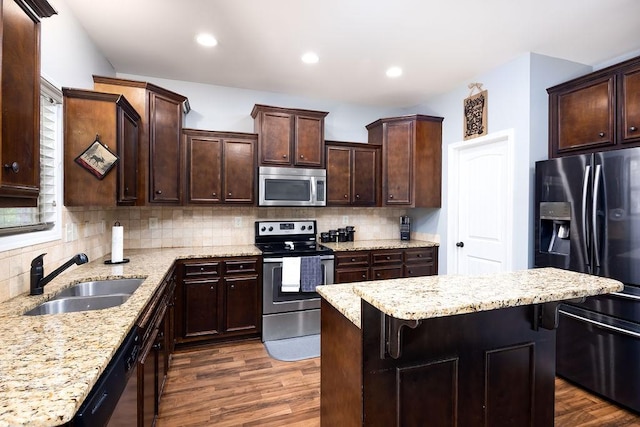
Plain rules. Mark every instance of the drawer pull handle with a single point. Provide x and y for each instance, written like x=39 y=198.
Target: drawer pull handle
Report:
x=388 y=257
x=353 y=260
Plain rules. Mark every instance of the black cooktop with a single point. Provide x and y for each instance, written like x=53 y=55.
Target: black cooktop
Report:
x=293 y=248
x=288 y=238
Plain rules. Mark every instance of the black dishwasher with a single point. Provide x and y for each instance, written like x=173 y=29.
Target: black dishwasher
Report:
x=113 y=399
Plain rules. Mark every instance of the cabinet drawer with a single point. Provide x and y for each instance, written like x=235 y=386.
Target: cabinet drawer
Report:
x=386 y=258
x=415 y=270
x=349 y=275
x=200 y=269
x=352 y=259
x=421 y=255
x=384 y=273
x=241 y=266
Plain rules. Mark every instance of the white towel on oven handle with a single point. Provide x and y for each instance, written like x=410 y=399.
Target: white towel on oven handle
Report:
x=290 y=274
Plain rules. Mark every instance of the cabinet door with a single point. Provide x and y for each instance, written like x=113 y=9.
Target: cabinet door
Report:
x=128 y=165
x=242 y=302
x=384 y=273
x=165 y=127
x=338 y=175
x=398 y=158
x=147 y=371
x=204 y=165
x=309 y=141
x=202 y=315
x=239 y=171
x=275 y=139
x=585 y=116
x=630 y=106
x=348 y=275
x=20 y=102
x=364 y=176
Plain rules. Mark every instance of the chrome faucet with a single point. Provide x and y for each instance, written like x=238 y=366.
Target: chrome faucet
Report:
x=37 y=271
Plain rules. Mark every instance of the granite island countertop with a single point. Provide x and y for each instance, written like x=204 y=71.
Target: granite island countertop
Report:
x=438 y=296
x=49 y=363
x=367 y=245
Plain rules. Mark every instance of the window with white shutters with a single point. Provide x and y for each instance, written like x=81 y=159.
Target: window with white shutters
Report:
x=43 y=217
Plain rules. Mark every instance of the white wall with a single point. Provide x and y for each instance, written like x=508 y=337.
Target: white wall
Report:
x=69 y=56
x=229 y=109
x=516 y=100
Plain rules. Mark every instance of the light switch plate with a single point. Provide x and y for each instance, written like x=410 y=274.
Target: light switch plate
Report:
x=153 y=223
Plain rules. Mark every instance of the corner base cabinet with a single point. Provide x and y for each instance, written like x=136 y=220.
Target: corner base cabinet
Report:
x=218 y=299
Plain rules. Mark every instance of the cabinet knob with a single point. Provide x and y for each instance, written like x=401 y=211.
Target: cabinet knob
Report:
x=201 y=268
x=302 y=156
x=211 y=287
x=15 y=167
x=158 y=191
x=357 y=196
x=633 y=129
x=346 y=197
x=126 y=190
x=214 y=194
x=409 y=271
x=241 y=266
x=364 y=276
x=391 y=196
x=419 y=255
x=229 y=194
x=284 y=156
x=233 y=286
x=353 y=260
x=377 y=274
x=601 y=134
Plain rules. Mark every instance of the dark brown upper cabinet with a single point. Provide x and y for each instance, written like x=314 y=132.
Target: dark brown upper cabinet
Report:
x=110 y=117
x=20 y=101
x=220 y=166
x=289 y=137
x=411 y=159
x=161 y=115
x=596 y=112
x=353 y=173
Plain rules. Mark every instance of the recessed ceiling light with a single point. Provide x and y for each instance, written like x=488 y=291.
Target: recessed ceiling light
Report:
x=206 y=39
x=310 y=58
x=394 y=72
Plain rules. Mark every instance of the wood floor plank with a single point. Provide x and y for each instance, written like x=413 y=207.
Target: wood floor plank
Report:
x=239 y=384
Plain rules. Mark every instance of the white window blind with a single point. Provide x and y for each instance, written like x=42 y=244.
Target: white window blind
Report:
x=42 y=217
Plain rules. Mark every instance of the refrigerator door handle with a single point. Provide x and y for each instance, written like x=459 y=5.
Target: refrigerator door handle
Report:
x=585 y=190
x=600 y=324
x=594 y=215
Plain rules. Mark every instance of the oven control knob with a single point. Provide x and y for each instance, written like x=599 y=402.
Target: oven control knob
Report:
x=310 y=227
x=270 y=228
x=304 y=227
x=263 y=229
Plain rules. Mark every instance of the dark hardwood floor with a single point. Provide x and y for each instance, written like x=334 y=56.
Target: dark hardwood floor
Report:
x=238 y=384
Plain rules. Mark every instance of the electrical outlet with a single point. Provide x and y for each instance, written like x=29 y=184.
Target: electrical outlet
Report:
x=237 y=221
x=70 y=232
x=345 y=219
x=103 y=227
x=153 y=223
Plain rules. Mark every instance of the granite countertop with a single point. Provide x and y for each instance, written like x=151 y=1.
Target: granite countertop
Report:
x=49 y=363
x=366 y=245
x=437 y=296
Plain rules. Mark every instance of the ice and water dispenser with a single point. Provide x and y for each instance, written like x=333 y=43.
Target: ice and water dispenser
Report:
x=555 y=225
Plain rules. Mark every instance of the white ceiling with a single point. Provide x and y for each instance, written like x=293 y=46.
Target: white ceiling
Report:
x=439 y=44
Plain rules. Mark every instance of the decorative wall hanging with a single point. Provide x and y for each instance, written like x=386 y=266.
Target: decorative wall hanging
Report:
x=97 y=159
x=475 y=112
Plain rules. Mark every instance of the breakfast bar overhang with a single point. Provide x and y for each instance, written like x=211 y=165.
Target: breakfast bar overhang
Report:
x=445 y=350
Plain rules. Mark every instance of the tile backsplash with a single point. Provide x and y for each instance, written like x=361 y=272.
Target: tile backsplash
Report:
x=88 y=230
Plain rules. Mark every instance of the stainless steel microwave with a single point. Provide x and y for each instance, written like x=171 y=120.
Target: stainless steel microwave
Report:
x=292 y=187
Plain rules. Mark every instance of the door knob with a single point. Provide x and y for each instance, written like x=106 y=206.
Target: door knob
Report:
x=460 y=244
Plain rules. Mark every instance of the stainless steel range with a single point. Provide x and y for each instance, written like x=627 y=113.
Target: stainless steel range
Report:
x=293 y=264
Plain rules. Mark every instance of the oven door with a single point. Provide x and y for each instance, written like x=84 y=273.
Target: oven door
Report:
x=276 y=301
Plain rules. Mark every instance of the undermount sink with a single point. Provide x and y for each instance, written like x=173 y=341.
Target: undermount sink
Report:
x=72 y=304
x=101 y=287
x=86 y=296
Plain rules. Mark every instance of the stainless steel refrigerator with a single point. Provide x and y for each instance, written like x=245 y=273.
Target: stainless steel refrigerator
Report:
x=588 y=220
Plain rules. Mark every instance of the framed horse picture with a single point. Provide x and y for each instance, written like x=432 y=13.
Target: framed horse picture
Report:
x=97 y=159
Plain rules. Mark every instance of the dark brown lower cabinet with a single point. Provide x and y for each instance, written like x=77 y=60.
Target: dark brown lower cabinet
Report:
x=383 y=264
x=488 y=368
x=218 y=298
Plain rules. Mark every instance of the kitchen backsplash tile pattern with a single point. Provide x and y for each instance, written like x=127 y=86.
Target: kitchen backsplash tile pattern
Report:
x=88 y=230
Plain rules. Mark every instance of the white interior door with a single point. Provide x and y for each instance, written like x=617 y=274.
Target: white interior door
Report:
x=480 y=205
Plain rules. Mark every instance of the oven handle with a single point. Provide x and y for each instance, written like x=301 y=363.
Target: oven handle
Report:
x=278 y=260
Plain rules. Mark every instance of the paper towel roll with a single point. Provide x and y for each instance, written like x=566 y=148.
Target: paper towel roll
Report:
x=117 y=242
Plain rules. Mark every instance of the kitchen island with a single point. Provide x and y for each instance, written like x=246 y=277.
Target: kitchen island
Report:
x=445 y=350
